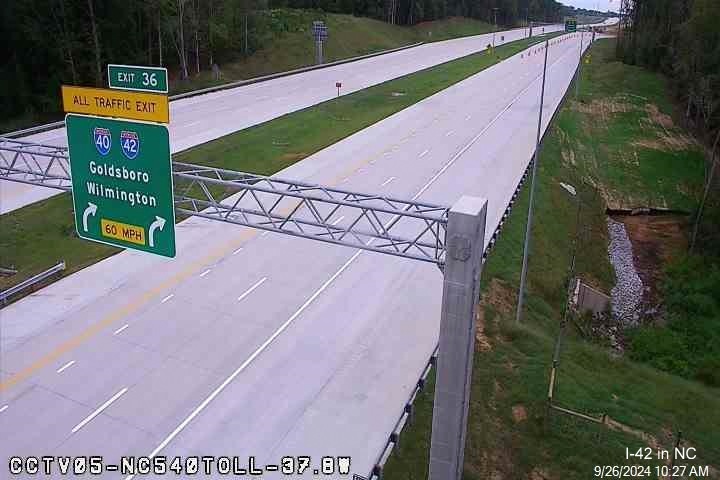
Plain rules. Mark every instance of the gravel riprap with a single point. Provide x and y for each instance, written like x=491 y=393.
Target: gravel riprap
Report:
x=628 y=290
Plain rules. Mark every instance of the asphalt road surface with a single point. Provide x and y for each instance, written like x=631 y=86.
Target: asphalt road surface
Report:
x=269 y=345
x=199 y=119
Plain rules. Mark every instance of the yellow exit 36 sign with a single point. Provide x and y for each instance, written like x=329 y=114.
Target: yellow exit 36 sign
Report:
x=113 y=103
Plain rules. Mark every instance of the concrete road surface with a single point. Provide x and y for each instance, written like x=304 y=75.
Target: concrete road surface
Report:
x=199 y=119
x=269 y=345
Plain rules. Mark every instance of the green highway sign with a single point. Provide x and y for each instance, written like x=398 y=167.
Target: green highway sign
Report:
x=571 y=25
x=122 y=183
x=131 y=77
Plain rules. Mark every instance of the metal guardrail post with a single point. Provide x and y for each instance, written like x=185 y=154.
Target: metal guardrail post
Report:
x=461 y=291
x=4 y=295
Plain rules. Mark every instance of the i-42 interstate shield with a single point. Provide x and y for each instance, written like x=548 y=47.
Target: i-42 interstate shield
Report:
x=122 y=183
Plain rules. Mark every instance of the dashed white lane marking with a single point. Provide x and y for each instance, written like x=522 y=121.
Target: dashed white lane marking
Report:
x=317 y=293
x=250 y=359
x=387 y=181
x=251 y=289
x=119 y=330
x=3 y=408
x=387 y=154
x=167 y=298
x=99 y=410
x=424 y=153
x=205 y=272
x=337 y=221
x=468 y=117
x=66 y=366
x=237 y=251
x=345 y=180
x=449 y=133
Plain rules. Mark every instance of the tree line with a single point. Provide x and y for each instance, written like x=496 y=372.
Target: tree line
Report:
x=681 y=38
x=51 y=42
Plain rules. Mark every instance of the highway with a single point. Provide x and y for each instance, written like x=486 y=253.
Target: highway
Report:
x=264 y=344
x=202 y=118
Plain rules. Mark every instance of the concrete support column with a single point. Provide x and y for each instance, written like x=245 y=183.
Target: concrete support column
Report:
x=461 y=291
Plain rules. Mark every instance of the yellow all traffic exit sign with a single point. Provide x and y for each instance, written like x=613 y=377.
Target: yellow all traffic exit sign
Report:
x=104 y=102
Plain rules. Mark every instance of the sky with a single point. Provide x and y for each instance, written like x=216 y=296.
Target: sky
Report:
x=602 y=5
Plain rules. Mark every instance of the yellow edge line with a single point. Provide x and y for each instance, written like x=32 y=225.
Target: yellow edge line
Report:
x=144 y=298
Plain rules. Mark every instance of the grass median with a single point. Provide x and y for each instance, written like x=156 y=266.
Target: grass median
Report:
x=35 y=237
x=618 y=146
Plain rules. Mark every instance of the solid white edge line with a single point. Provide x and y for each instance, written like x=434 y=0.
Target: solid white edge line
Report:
x=237 y=251
x=482 y=132
x=121 y=329
x=66 y=366
x=205 y=272
x=387 y=181
x=250 y=290
x=282 y=327
x=3 y=408
x=247 y=362
x=339 y=219
x=99 y=410
x=167 y=298
x=424 y=153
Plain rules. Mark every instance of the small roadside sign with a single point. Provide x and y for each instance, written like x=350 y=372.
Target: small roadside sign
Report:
x=104 y=102
x=122 y=183
x=132 y=77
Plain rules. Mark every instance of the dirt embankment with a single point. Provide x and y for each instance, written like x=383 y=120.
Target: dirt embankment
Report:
x=656 y=240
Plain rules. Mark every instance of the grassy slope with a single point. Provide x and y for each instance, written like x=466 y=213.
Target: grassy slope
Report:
x=293 y=47
x=511 y=376
x=33 y=238
x=349 y=36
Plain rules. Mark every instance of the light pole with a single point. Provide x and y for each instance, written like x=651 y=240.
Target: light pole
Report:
x=571 y=273
x=706 y=190
x=580 y=62
x=523 y=273
x=527 y=22
x=495 y=9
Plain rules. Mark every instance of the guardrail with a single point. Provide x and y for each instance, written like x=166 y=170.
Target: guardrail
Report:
x=239 y=83
x=227 y=86
x=287 y=73
x=407 y=416
x=394 y=438
x=4 y=295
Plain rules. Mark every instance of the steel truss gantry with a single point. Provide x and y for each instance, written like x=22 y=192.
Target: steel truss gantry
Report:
x=403 y=228
x=452 y=238
x=34 y=163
